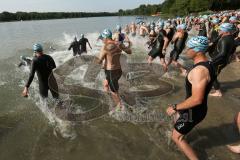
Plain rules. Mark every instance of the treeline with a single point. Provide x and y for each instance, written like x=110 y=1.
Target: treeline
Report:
x=182 y=7
x=18 y=16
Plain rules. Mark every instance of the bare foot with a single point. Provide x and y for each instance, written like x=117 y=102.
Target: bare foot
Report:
x=216 y=94
x=234 y=149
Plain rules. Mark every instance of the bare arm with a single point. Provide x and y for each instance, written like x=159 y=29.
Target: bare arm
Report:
x=199 y=78
x=102 y=56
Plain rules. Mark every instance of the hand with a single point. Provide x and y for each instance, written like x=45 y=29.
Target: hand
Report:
x=170 y=111
x=25 y=92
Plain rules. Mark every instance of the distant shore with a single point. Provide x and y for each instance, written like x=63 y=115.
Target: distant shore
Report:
x=27 y=16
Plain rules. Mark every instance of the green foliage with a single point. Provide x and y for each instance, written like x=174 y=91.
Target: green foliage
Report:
x=182 y=7
x=6 y=16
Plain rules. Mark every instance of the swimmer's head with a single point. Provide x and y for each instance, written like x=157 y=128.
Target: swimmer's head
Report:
x=75 y=38
x=198 y=44
x=233 y=19
x=81 y=35
x=227 y=27
x=37 y=48
x=182 y=27
x=118 y=28
x=107 y=33
x=215 y=21
x=161 y=24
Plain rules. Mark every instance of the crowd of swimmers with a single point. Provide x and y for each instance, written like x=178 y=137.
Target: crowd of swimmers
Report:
x=212 y=48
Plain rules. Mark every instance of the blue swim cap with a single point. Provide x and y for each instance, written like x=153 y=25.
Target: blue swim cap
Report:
x=198 y=44
x=233 y=19
x=215 y=21
x=227 y=27
x=182 y=26
x=161 y=24
x=205 y=17
x=107 y=33
x=37 y=47
x=118 y=28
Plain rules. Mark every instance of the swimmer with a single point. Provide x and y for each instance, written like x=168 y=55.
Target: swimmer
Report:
x=83 y=44
x=42 y=64
x=133 y=29
x=179 y=41
x=159 y=45
x=193 y=109
x=224 y=52
x=110 y=54
x=120 y=37
x=75 y=47
x=143 y=30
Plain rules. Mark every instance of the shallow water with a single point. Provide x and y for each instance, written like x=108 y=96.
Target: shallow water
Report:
x=29 y=129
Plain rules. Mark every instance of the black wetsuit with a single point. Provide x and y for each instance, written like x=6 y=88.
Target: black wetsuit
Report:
x=178 y=47
x=44 y=65
x=76 y=48
x=83 y=45
x=214 y=37
x=202 y=30
x=157 y=45
x=191 y=117
x=224 y=51
x=170 y=34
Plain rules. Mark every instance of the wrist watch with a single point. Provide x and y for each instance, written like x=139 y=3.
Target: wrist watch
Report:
x=174 y=106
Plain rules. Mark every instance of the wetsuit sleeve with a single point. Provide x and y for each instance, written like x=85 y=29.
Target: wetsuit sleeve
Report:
x=31 y=75
x=53 y=64
x=70 y=47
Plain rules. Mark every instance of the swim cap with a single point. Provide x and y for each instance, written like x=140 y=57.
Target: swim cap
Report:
x=161 y=24
x=233 y=19
x=167 y=24
x=215 y=21
x=118 y=28
x=182 y=26
x=205 y=17
x=198 y=44
x=227 y=27
x=37 y=47
x=81 y=35
x=107 y=33
x=75 y=38
x=152 y=26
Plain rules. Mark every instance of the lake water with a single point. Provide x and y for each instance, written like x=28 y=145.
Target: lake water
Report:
x=29 y=130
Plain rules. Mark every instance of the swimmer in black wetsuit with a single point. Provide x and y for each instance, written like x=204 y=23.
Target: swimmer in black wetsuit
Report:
x=75 y=47
x=179 y=40
x=170 y=31
x=224 y=52
x=159 y=45
x=202 y=28
x=83 y=44
x=198 y=82
x=213 y=37
x=42 y=64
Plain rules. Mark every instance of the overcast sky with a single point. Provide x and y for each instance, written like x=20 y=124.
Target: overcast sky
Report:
x=71 y=5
